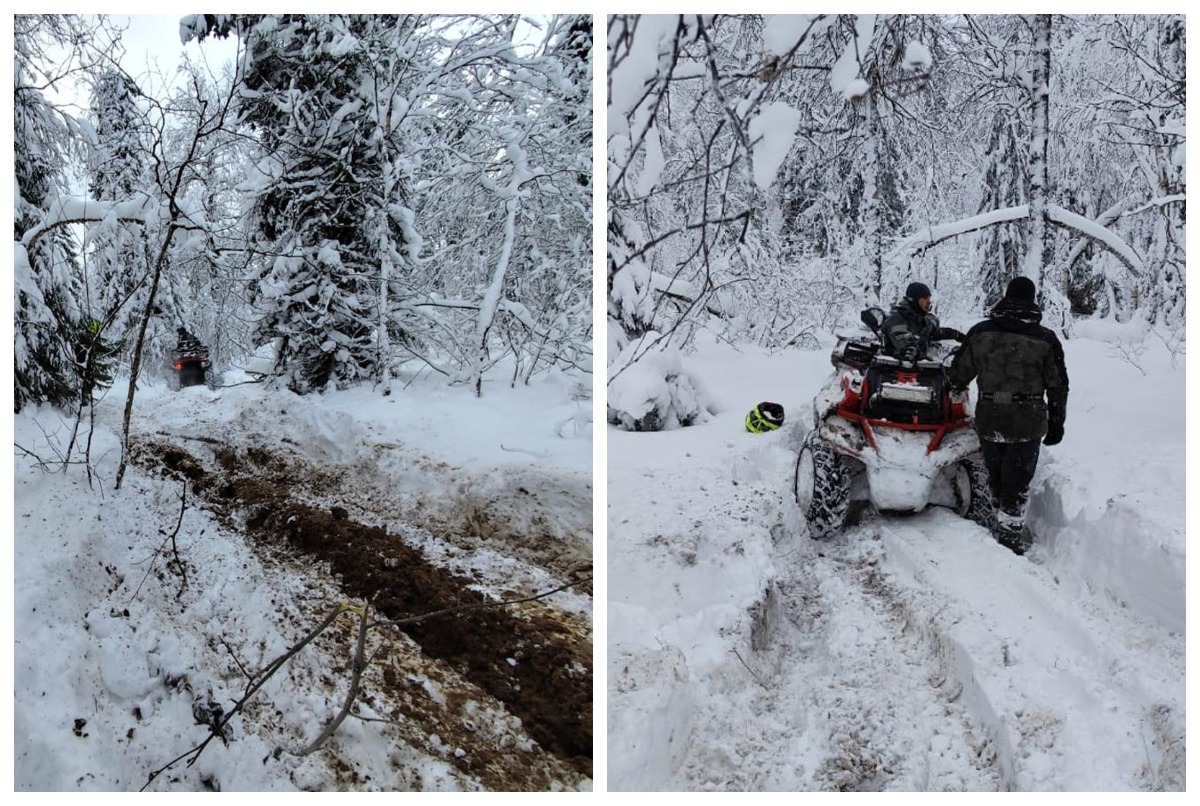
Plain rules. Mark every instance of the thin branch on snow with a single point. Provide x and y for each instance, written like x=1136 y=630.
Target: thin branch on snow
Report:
x=175 y=548
x=537 y=454
x=359 y=664
x=255 y=682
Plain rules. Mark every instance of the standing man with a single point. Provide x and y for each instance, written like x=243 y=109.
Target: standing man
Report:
x=910 y=327
x=1022 y=379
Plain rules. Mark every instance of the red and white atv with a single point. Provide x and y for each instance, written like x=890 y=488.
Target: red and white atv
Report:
x=892 y=433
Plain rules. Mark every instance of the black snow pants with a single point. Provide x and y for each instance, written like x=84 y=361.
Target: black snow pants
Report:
x=1010 y=467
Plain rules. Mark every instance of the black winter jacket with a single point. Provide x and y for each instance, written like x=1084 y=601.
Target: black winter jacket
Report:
x=908 y=325
x=1020 y=371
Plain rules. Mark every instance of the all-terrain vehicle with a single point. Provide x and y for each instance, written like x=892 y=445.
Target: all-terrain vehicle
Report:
x=190 y=362
x=891 y=433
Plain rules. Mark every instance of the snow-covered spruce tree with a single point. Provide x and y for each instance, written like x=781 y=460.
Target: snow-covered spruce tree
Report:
x=46 y=288
x=319 y=91
x=1005 y=184
x=116 y=256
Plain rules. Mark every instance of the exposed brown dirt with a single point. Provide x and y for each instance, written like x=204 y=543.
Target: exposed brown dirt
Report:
x=533 y=658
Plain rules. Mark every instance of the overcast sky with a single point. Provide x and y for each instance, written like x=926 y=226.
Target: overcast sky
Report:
x=153 y=48
x=152 y=54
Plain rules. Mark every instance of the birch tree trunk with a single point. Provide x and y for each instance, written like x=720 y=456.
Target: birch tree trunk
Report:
x=1038 y=254
x=385 y=277
x=873 y=223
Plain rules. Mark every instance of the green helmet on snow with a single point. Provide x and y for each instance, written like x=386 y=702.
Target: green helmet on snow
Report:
x=764 y=417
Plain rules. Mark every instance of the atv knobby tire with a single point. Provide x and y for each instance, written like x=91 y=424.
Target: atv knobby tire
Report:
x=822 y=487
x=972 y=495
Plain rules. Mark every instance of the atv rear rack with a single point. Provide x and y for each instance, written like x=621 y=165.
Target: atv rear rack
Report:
x=868 y=425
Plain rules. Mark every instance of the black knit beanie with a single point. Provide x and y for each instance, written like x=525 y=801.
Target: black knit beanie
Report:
x=917 y=291
x=1021 y=289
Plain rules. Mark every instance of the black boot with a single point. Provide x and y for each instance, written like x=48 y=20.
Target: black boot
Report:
x=1010 y=530
x=1013 y=541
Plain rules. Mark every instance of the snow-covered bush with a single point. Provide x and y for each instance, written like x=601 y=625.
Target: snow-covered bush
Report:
x=653 y=391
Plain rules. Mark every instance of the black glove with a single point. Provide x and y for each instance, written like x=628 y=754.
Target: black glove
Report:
x=957 y=335
x=1054 y=434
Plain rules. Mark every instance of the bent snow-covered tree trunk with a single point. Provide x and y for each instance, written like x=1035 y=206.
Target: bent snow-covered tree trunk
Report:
x=1104 y=237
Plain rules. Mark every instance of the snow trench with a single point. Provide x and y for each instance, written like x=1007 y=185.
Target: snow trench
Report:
x=1074 y=692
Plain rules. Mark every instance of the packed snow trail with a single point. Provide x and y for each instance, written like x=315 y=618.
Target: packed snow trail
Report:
x=848 y=695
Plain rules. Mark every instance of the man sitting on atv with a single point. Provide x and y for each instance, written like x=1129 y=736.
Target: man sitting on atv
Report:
x=910 y=327
x=187 y=344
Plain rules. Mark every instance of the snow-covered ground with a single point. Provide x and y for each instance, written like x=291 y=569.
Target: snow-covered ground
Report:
x=908 y=653
x=118 y=654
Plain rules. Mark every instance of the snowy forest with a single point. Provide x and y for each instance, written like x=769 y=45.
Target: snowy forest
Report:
x=792 y=604
x=357 y=192
x=771 y=176
x=303 y=402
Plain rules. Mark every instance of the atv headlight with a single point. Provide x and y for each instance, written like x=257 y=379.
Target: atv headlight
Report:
x=907 y=392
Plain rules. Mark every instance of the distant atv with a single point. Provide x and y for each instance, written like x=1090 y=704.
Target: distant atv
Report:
x=190 y=363
x=891 y=433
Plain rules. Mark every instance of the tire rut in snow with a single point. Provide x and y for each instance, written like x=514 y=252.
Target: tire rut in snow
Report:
x=885 y=688
x=547 y=683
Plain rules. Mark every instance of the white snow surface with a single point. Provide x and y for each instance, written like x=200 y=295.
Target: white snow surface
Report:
x=108 y=658
x=907 y=653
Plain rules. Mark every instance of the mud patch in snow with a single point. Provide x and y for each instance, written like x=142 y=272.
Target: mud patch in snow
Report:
x=536 y=660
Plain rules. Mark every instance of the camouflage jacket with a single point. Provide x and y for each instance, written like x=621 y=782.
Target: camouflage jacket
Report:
x=909 y=325
x=1020 y=371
